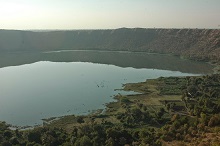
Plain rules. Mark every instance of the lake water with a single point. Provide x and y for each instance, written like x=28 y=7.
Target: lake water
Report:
x=37 y=88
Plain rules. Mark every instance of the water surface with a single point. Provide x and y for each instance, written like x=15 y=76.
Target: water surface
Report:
x=31 y=92
x=120 y=58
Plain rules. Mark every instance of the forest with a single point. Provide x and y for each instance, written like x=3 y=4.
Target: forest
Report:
x=169 y=111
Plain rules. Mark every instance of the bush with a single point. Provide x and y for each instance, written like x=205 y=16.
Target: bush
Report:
x=214 y=121
x=125 y=100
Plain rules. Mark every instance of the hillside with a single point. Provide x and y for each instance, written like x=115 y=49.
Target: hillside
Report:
x=199 y=44
x=168 y=111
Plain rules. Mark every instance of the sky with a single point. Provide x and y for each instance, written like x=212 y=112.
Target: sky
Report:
x=108 y=14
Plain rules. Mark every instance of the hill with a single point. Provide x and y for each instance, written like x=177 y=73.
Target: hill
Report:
x=198 y=44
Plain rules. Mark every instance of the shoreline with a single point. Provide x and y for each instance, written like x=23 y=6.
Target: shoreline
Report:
x=164 y=107
x=215 y=70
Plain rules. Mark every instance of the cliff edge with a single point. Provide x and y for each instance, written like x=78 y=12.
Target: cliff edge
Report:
x=198 y=44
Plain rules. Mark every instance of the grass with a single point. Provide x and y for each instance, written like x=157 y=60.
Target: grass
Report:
x=151 y=97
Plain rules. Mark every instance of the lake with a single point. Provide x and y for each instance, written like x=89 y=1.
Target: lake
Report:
x=34 y=86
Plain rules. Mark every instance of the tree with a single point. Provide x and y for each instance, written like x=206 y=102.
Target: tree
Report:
x=192 y=90
x=161 y=112
x=204 y=118
x=110 y=142
x=80 y=119
x=214 y=121
x=85 y=141
x=168 y=106
x=34 y=136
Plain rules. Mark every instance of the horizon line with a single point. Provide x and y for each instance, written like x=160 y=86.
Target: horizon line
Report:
x=87 y=29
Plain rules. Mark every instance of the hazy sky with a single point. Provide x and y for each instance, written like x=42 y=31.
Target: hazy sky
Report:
x=95 y=14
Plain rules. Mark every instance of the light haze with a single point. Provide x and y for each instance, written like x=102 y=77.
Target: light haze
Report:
x=108 y=14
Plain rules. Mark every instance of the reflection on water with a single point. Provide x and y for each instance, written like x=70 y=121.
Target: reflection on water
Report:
x=121 y=59
x=44 y=89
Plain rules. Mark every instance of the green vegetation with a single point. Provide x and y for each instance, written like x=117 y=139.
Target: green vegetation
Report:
x=170 y=111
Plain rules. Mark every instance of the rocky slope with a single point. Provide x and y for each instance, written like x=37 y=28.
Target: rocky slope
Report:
x=199 y=44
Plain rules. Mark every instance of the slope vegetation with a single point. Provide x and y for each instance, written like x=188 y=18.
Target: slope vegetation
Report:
x=199 y=44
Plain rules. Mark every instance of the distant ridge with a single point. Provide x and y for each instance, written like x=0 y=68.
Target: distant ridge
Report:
x=199 y=44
